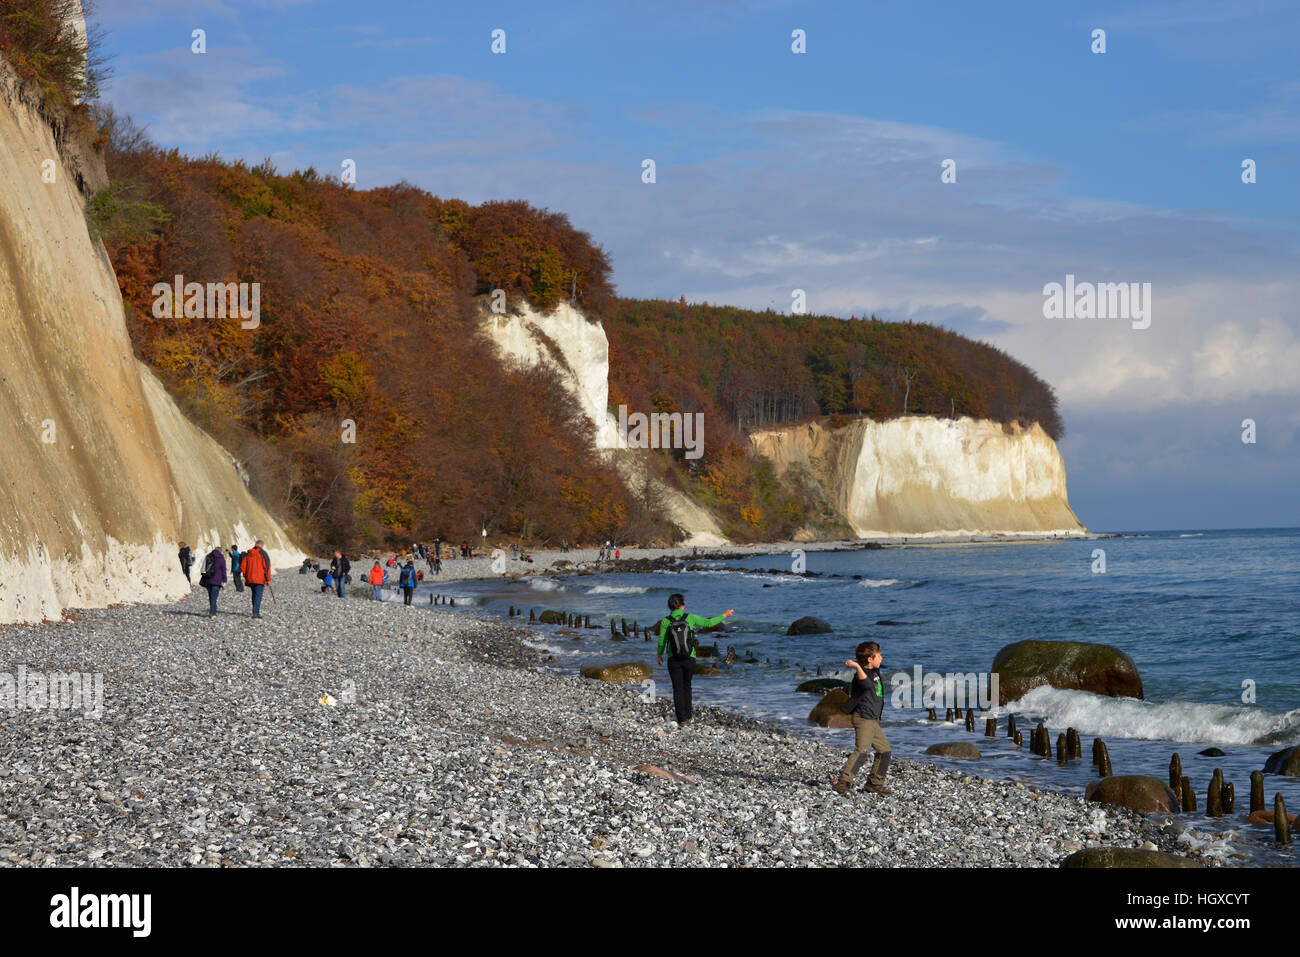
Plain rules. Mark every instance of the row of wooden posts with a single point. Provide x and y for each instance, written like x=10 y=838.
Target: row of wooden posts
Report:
x=1220 y=799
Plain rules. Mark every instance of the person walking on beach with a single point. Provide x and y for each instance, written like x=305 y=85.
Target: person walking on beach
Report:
x=213 y=576
x=339 y=567
x=187 y=561
x=866 y=704
x=677 y=636
x=377 y=578
x=408 y=581
x=257 y=573
x=236 y=567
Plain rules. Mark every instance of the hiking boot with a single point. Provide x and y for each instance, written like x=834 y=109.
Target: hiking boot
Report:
x=257 y=616
x=877 y=789
x=841 y=787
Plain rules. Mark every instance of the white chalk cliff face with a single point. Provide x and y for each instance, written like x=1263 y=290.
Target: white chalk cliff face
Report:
x=910 y=476
x=577 y=350
x=101 y=475
x=919 y=475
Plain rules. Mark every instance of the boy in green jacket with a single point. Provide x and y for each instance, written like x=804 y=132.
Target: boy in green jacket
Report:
x=677 y=636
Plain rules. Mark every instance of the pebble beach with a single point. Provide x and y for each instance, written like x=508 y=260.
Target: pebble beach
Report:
x=353 y=733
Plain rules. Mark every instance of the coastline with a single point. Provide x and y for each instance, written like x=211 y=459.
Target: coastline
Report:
x=446 y=746
x=545 y=560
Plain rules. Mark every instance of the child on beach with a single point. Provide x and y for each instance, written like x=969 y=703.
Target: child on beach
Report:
x=677 y=636
x=866 y=704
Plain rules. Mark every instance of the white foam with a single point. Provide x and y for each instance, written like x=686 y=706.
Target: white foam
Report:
x=617 y=590
x=1186 y=721
x=879 y=582
x=545 y=584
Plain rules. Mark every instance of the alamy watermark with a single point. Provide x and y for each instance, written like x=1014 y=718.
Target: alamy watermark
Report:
x=661 y=430
x=53 y=691
x=948 y=690
x=213 y=300
x=1106 y=300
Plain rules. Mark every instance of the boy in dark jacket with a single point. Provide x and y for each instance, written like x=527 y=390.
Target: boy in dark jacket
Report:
x=681 y=666
x=866 y=704
x=213 y=577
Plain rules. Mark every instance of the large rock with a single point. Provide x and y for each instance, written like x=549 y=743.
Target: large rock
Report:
x=1073 y=665
x=827 y=712
x=822 y=685
x=624 y=673
x=808 y=626
x=1140 y=792
x=1286 y=761
x=1125 y=857
x=551 y=618
x=954 y=749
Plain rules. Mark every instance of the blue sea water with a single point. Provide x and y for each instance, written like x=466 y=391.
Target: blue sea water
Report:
x=1207 y=616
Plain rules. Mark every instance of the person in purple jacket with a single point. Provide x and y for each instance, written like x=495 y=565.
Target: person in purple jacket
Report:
x=213 y=577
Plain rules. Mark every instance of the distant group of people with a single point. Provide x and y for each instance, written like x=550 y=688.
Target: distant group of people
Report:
x=608 y=551
x=252 y=567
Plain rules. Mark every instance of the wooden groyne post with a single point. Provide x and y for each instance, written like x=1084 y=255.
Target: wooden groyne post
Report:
x=1214 y=797
x=1281 y=824
x=1175 y=773
x=1256 y=791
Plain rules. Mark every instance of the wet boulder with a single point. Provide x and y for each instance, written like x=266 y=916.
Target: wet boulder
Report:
x=827 y=712
x=1286 y=761
x=1141 y=792
x=551 y=618
x=954 y=749
x=822 y=685
x=809 y=626
x=624 y=673
x=1072 y=665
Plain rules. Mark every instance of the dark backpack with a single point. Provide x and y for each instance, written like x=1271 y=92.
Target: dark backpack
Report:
x=681 y=637
x=210 y=565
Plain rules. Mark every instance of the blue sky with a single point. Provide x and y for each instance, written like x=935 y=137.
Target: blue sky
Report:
x=821 y=171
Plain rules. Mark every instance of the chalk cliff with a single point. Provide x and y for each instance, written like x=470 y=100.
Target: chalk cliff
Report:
x=101 y=475
x=919 y=475
x=577 y=350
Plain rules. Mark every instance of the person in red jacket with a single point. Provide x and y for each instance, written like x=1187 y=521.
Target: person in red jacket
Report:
x=377 y=577
x=257 y=574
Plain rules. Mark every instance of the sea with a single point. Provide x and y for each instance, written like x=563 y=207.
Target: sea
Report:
x=1210 y=617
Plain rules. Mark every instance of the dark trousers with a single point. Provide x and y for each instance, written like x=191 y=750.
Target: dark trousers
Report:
x=681 y=670
x=213 y=592
x=407 y=595
x=257 y=597
x=239 y=581
x=338 y=586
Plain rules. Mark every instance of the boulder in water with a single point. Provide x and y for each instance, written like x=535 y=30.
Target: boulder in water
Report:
x=1141 y=792
x=1286 y=761
x=827 y=712
x=1072 y=665
x=809 y=626
x=1212 y=753
x=551 y=618
x=954 y=749
x=822 y=685
x=624 y=673
x=707 y=670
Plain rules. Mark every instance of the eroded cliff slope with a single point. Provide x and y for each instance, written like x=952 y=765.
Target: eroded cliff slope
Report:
x=101 y=476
